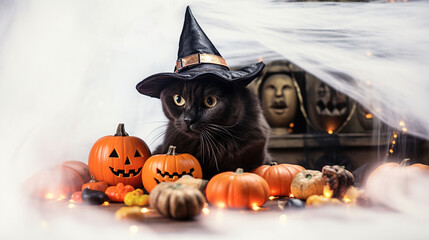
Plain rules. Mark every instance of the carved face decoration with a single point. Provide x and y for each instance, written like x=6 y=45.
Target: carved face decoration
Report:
x=169 y=168
x=365 y=118
x=279 y=100
x=328 y=108
x=118 y=159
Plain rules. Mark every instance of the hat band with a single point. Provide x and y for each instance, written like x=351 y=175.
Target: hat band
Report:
x=199 y=58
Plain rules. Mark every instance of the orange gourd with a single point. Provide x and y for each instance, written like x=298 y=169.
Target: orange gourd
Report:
x=392 y=184
x=279 y=177
x=237 y=190
x=59 y=182
x=118 y=159
x=169 y=167
x=94 y=185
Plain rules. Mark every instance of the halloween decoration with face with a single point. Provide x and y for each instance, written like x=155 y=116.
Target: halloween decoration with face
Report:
x=279 y=100
x=118 y=159
x=327 y=108
x=169 y=168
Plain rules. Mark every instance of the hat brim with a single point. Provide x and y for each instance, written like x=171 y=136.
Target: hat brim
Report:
x=153 y=85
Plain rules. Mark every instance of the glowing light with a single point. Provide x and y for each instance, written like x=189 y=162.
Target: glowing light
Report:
x=330 y=131
x=401 y=123
x=395 y=135
x=272 y=197
x=347 y=200
x=206 y=211
x=404 y=129
x=291 y=195
x=283 y=219
x=133 y=229
x=71 y=200
x=61 y=197
x=369 y=116
x=291 y=125
x=393 y=142
x=71 y=205
x=106 y=203
x=49 y=196
x=221 y=205
x=391 y=150
x=255 y=207
x=43 y=224
x=144 y=210
x=327 y=192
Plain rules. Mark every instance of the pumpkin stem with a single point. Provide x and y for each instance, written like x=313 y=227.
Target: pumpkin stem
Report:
x=273 y=163
x=239 y=171
x=171 y=150
x=404 y=162
x=120 y=131
x=92 y=180
x=308 y=176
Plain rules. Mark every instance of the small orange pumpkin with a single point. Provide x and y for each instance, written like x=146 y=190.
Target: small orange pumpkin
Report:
x=279 y=177
x=94 y=185
x=237 y=190
x=169 y=167
x=118 y=159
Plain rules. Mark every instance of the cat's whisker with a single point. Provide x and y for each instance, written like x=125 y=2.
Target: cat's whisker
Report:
x=223 y=129
x=169 y=139
x=214 y=147
x=158 y=135
x=223 y=133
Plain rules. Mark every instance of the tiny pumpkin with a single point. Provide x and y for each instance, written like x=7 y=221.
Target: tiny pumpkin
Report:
x=94 y=185
x=177 y=201
x=118 y=159
x=279 y=177
x=237 y=190
x=197 y=183
x=307 y=183
x=169 y=168
x=320 y=200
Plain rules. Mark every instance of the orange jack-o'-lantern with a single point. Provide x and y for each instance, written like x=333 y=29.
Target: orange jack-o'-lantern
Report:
x=118 y=159
x=327 y=108
x=169 y=168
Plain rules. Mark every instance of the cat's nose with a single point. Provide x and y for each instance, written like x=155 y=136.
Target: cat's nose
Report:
x=188 y=121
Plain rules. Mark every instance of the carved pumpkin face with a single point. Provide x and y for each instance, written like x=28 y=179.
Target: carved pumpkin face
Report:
x=279 y=100
x=118 y=159
x=169 y=168
x=327 y=108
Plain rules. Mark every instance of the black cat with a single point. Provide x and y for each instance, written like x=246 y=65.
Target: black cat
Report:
x=221 y=125
x=212 y=115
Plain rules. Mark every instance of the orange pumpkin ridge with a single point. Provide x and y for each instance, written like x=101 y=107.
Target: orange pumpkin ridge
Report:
x=237 y=190
x=279 y=177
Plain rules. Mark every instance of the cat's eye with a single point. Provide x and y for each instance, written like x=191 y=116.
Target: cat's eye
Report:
x=210 y=101
x=179 y=100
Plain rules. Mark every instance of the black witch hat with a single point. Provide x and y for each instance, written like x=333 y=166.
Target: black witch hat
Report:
x=197 y=58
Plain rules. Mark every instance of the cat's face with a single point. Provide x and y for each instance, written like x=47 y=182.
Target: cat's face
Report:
x=194 y=106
